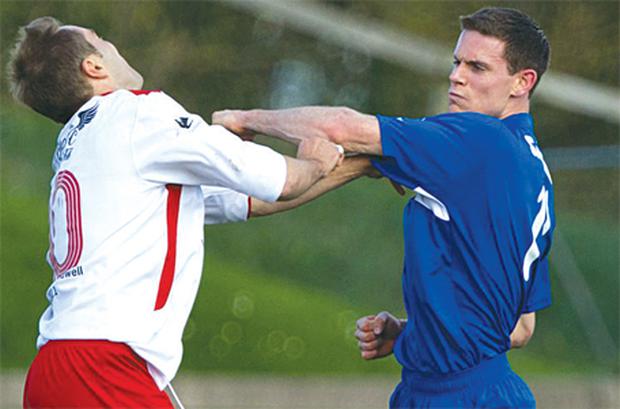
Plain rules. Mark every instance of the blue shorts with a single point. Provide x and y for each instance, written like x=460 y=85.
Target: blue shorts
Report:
x=492 y=384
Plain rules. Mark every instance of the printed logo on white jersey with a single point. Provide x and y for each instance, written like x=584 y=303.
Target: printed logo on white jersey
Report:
x=184 y=122
x=67 y=140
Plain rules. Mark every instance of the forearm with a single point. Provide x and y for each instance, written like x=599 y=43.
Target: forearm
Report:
x=355 y=131
x=351 y=169
x=301 y=175
x=292 y=124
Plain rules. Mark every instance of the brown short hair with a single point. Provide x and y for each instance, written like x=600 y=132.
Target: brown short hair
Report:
x=44 y=69
x=526 y=44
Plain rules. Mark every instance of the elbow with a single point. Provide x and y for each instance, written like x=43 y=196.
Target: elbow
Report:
x=521 y=337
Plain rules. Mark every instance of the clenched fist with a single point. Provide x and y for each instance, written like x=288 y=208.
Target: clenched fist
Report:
x=376 y=334
x=327 y=154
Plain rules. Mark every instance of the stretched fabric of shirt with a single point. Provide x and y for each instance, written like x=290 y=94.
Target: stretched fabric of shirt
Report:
x=477 y=234
x=136 y=176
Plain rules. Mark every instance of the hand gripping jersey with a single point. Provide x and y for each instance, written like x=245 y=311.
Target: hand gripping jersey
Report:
x=477 y=234
x=136 y=176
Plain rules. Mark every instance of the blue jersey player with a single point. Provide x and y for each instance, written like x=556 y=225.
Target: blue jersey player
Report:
x=478 y=230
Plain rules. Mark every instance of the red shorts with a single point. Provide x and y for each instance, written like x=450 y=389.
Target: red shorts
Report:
x=91 y=374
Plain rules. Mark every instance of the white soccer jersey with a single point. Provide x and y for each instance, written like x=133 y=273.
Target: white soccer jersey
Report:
x=136 y=176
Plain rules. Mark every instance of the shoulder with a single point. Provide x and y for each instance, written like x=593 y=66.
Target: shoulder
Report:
x=469 y=122
x=152 y=106
x=460 y=123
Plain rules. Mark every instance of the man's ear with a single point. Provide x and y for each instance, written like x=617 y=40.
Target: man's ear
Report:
x=92 y=66
x=524 y=82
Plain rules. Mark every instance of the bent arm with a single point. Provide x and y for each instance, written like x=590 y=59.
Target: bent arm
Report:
x=355 y=131
x=523 y=331
x=351 y=169
x=376 y=334
x=315 y=159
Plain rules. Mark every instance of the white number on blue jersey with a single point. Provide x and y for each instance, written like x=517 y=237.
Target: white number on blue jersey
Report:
x=542 y=221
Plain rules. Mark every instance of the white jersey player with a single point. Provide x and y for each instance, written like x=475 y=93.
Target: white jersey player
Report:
x=136 y=177
x=126 y=217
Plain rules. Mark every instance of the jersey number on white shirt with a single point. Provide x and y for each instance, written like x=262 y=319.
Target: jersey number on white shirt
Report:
x=65 y=223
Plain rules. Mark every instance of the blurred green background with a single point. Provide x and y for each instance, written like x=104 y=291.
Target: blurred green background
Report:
x=281 y=294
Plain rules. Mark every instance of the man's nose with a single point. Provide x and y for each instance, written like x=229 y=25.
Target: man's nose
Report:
x=457 y=75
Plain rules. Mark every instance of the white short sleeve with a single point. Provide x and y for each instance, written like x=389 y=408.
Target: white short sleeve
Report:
x=224 y=205
x=171 y=145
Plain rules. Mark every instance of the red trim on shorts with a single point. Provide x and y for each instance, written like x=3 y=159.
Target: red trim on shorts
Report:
x=249 y=207
x=172 y=218
x=91 y=374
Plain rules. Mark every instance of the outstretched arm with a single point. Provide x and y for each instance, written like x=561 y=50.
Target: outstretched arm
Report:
x=355 y=131
x=351 y=169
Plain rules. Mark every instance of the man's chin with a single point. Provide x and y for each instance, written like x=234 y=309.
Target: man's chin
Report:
x=455 y=108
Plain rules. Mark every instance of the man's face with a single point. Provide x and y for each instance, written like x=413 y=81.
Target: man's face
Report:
x=123 y=75
x=480 y=81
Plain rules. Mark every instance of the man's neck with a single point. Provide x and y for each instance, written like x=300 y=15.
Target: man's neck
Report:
x=516 y=107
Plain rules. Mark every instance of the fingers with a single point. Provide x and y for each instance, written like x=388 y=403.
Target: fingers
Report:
x=322 y=151
x=369 y=346
x=376 y=334
x=365 y=336
x=222 y=117
x=233 y=121
x=368 y=343
x=364 y=323
x=378 y=324
x=370 y=354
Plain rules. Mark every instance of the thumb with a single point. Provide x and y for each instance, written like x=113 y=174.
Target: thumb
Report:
x=378 y=324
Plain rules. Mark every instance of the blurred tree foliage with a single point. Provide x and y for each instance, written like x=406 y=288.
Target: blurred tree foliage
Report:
x=210 y=56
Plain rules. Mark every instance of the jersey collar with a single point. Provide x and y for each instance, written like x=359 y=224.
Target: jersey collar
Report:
x=521 y=120
x=133 y=91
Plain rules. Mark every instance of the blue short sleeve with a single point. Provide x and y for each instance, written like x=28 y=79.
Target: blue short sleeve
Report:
x=437 y=153
x=539 y=294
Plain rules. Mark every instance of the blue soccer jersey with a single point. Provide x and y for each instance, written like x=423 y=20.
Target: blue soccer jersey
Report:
x=477 y=234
